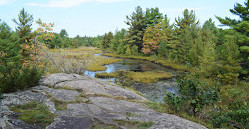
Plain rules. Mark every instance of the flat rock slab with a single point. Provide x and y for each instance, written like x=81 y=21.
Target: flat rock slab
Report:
x=22 y=97
x=54 y=79
x=118 y=106
x=65 y=122
x=88 y=86
x=62 y=94
x=102 y=102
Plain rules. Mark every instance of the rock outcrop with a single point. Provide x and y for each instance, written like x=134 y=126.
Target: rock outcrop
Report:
x=88 y=102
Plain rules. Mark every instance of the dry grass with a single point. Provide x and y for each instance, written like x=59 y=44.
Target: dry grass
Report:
x=76 y=60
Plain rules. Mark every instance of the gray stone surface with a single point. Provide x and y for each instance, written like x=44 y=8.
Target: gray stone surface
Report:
x=62 y=94
x=65 y=122
x=54 y=79
x=101 y=102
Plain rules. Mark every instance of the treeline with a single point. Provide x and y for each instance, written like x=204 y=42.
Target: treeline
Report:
x=61 y=40
x=221 y=54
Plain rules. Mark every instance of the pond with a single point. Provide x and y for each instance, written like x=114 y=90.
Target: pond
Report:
x=152 y=91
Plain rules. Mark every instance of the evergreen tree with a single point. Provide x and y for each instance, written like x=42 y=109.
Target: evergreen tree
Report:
x=63 y=33
x=137 y=24
x=188 y=20
x=241 y=26
x=187 y=30
x=107 y=40
x=128 y=50
x=24 y=23
x=56 y=41
x=229 y=64
x=153 y=16
x=208 y=60
x=134 y=50
x=117 y=39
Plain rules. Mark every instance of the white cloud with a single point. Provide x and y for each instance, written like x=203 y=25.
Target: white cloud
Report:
x=70 y=3
x=4 y=2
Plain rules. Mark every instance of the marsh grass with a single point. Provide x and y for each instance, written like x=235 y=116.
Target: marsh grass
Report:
x=153 y=59
x=105 y=75
x=34 y=113
x=149 y=76
x=98 y=62
x=142 y=77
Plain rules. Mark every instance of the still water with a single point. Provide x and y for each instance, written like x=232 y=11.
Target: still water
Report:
x=152 y=91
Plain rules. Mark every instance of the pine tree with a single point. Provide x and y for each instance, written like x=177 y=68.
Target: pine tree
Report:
x=107 y=40
x=187 y=30
x=208 y=59
x=153 y=16
x=117 y=39
x=241 y=26
x=229 y=64
x=137 y=24
x=24 y=23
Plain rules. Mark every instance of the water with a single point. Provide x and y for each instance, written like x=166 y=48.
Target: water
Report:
x=152 y=91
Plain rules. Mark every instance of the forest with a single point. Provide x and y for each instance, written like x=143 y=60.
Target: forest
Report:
x=213 y=61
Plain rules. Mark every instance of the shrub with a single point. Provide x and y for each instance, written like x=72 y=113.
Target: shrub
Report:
x=235 y=113
x=193 y=95
x=19 y=78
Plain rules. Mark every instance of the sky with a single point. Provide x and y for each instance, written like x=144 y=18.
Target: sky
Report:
x=96 y=17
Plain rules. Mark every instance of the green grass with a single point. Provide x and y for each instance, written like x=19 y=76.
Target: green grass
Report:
x=159 y=107
x=34 y=113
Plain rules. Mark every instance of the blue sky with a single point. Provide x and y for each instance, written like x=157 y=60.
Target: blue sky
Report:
x=96 y=17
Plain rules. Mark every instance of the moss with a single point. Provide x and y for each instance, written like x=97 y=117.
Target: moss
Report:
x=134 y=124
x=130 y=114
x=60 y=105
x=34 y=113
x=159 y=107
